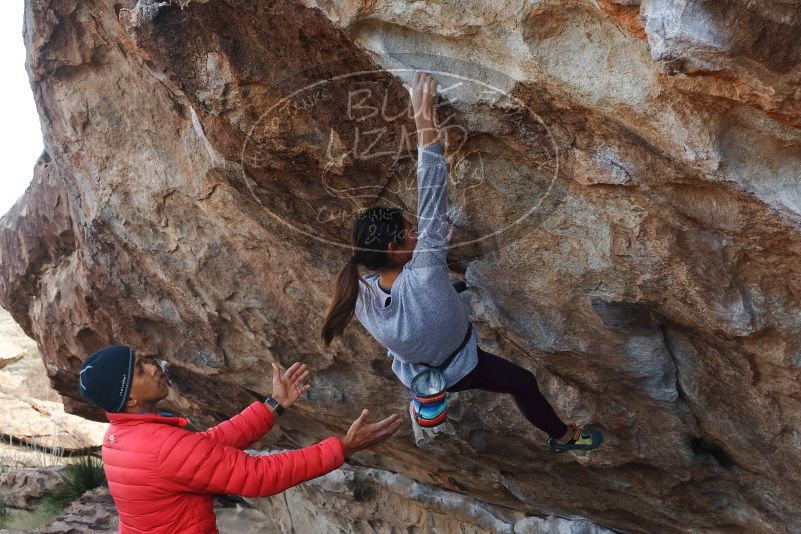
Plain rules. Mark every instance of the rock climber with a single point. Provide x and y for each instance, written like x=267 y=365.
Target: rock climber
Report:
x=409 y=305
x=163 y=477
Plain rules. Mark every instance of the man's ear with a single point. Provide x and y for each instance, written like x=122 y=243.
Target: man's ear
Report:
x=131 y=403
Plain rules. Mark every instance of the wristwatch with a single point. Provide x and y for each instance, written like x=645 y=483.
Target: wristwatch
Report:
x=274 y=404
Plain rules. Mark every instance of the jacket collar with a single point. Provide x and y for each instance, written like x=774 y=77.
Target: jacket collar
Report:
x=137 y=418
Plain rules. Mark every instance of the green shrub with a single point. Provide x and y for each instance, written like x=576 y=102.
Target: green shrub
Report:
x=82 y=475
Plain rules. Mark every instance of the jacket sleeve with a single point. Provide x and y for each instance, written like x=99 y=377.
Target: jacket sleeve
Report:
x=432 y=206
x=244 y=428
x=196 y=464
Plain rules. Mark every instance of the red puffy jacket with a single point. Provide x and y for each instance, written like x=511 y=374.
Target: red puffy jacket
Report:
x=163 y=477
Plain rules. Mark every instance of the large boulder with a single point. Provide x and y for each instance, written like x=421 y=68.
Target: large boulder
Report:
x=627 y=213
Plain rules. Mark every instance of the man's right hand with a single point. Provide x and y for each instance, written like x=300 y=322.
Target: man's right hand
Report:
x=362 y=435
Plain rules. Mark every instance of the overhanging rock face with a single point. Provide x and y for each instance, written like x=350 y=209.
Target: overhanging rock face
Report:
x=627 y=216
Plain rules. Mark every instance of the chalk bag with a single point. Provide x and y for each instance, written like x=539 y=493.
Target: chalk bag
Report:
x=430 y=398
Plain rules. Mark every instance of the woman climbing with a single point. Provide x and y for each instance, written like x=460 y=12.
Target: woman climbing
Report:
x=409 y=305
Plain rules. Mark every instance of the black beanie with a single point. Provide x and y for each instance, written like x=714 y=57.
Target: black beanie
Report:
x=106 y=377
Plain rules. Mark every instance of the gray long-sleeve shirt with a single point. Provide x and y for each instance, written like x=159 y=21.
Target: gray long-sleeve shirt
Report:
x=425 y=320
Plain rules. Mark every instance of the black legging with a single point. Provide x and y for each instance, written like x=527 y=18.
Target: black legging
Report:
x=501 y=376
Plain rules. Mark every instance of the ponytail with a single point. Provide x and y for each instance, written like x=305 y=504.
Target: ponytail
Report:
x=373 y=230
x=344 y=304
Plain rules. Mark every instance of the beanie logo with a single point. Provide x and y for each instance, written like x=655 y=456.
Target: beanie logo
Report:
x=80 y=379
x=122 y=385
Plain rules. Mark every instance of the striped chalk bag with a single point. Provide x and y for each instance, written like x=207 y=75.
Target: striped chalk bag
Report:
x=430 y=404
x=430 y=398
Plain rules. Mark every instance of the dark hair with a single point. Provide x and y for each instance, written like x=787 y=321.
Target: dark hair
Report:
x=373 y=230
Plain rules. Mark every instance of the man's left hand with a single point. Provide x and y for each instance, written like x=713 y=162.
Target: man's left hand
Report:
x=290 y=384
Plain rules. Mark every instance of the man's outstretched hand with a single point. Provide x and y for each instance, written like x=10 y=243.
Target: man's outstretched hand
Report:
x=362 y=435
x=291 y=384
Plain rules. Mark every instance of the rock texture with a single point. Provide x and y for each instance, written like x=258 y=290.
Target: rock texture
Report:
x=43 y=425
x=14 y=344
x=368 y=500
x=35 y=431
x=94 y=512
x=22 y=488
x=627 y=215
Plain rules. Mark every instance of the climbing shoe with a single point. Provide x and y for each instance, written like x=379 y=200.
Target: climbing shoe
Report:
x=584 y=439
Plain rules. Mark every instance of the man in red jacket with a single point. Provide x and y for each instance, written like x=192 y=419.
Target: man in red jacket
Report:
x=163 y=477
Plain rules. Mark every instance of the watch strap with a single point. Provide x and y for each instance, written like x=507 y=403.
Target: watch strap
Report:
x=274 y=404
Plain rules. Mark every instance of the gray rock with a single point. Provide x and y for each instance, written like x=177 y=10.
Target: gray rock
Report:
x=22 y=488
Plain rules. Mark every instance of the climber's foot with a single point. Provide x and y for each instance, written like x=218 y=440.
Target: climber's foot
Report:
x=582 y=439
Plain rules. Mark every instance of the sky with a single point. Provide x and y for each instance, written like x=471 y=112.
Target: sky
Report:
x=20 y=133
